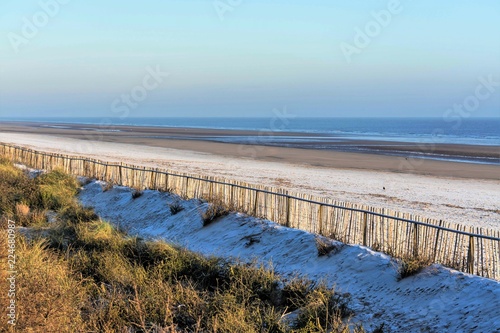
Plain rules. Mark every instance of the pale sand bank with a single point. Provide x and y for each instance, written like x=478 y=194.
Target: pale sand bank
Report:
x=473 y=200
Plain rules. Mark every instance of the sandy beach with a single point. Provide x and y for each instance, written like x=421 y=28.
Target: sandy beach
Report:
x=289 y=147
x=464 y=193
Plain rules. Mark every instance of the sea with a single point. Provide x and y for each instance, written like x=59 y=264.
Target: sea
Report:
x=473 y=131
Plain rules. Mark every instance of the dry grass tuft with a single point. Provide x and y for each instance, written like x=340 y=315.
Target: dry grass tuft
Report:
x=325 y=246
x=213 y=212
x=411 y=265
x=107 y=186
x=136 y=193
x=216 y=208
x=22 y=210
x=38 y=217
x=176 y=208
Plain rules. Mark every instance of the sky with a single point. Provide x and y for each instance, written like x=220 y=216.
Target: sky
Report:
x=336 y=58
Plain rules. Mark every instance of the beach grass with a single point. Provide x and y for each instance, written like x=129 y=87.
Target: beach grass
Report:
x=176 y=208
x=216 y=208
x=82 y=274
x=412 y=265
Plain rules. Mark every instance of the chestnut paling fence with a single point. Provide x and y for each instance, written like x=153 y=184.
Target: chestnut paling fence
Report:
x=469 y=249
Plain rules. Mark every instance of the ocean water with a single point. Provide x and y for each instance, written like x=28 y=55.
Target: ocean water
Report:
x=474 y=131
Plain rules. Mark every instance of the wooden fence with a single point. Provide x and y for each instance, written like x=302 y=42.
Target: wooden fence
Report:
x=469 y=249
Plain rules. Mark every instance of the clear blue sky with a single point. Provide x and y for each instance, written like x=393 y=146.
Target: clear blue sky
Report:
x=261 y=55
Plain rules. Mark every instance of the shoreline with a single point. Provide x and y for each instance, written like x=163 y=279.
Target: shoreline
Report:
x=400 y=157
x=429 y=189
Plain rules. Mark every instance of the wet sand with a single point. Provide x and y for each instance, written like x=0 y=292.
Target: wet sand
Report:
x=369 y=155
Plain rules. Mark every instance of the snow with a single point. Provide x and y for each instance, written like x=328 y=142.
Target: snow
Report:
x=471 y=202
x=436 y=300
x=32 y=173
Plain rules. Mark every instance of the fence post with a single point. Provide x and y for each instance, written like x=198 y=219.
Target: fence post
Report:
x=132 y=177
x=437 y=240
x=365 y=228
x=120 y=171
x=231 y=196
x=256 y=203
x=143 y=180
x=320 y=218
x=470 y=256
x=288 y=199
x=415 y=241
x=152 y=185
x=168 y=189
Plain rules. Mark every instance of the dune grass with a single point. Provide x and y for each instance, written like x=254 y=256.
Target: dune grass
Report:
x=81 y=274
x=411 y=265
x=57 y=189
x=216 y=208
x=19 y=195
x=176 y=208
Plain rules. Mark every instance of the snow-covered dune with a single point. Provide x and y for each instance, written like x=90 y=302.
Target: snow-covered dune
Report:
x=436 y=300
